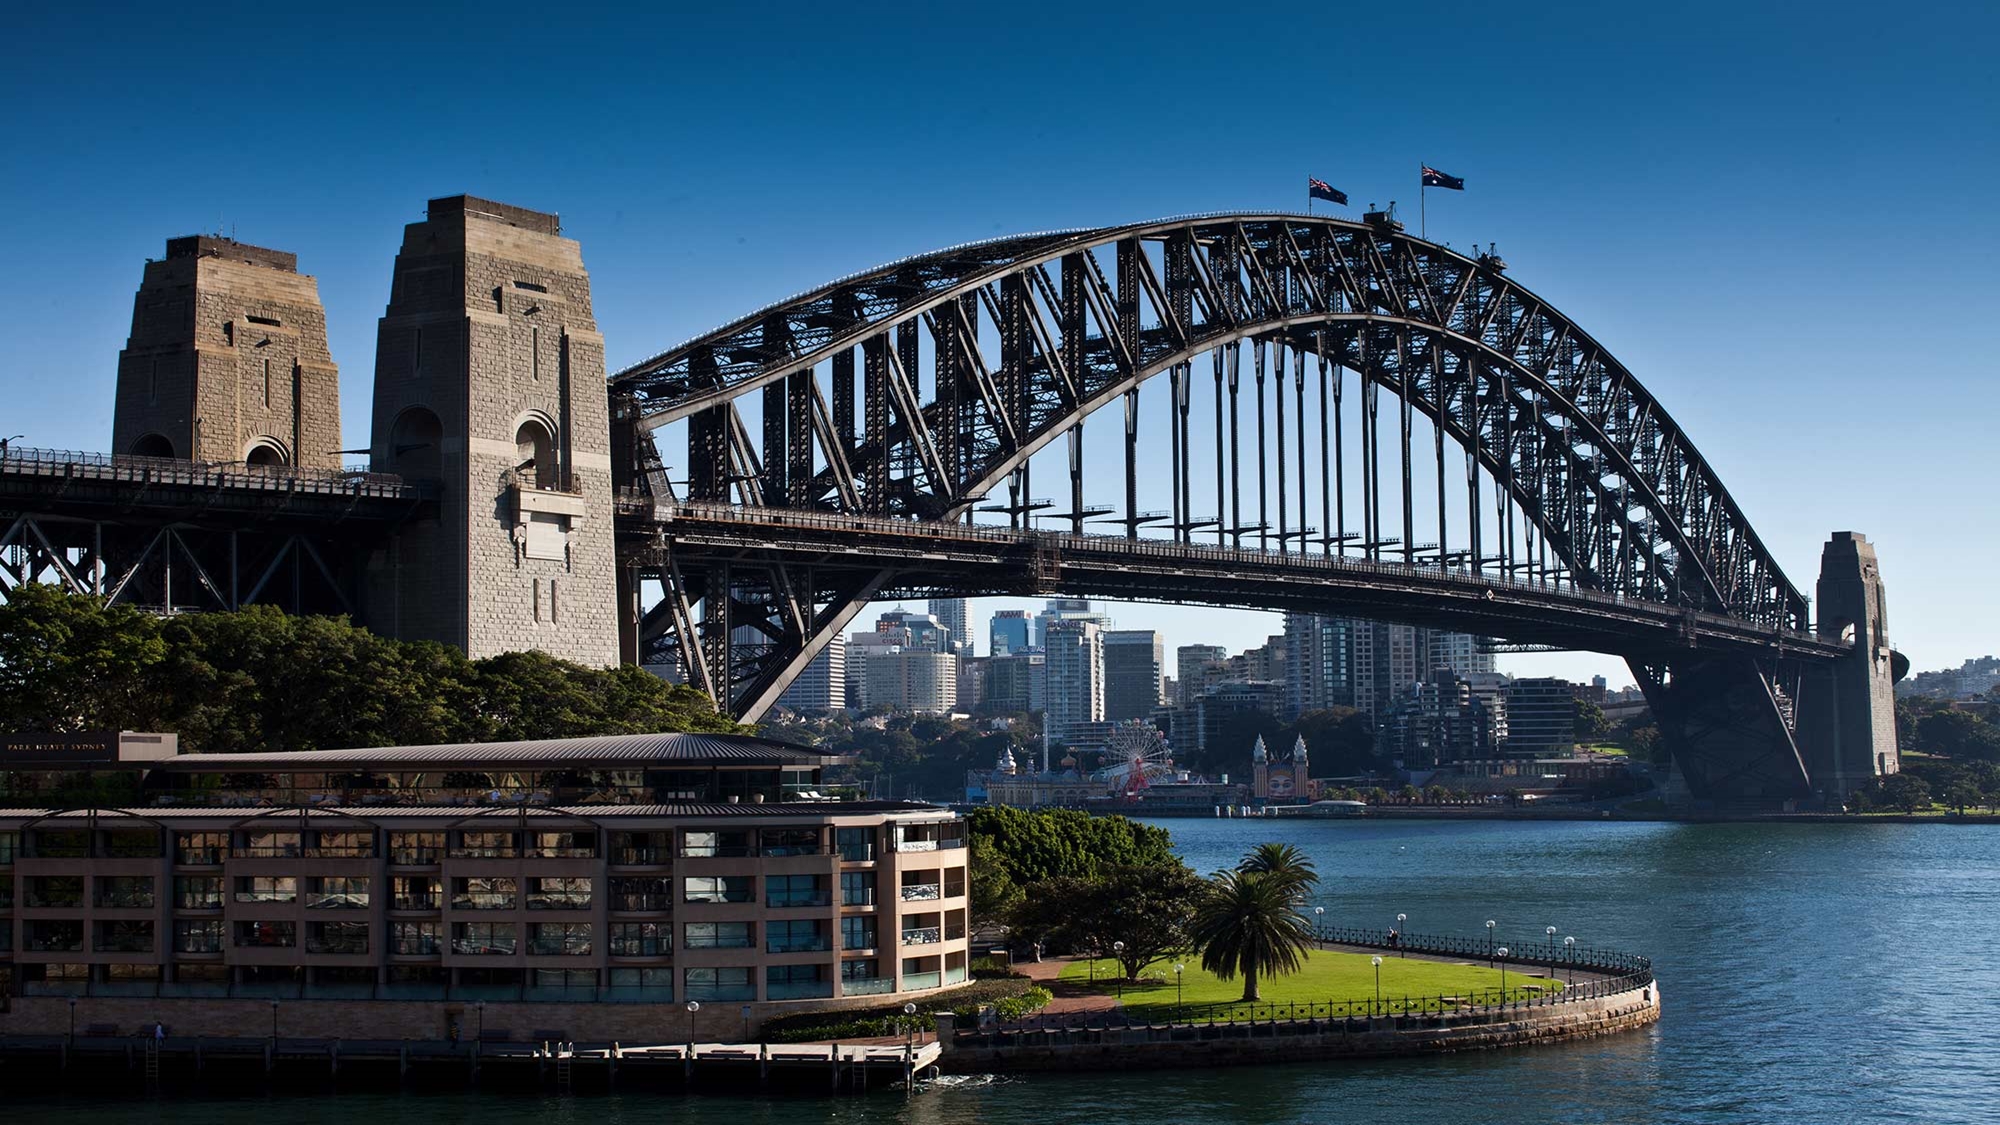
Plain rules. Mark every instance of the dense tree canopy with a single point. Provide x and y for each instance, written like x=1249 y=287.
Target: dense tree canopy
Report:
x=1013 y=849
x=261 y=680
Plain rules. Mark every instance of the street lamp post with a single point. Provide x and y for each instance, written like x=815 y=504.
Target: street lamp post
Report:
x=1319 y=929
x=693 y=1006
x=1377 y=962
x=1177 y=991
x=1118 y=955
x=910 y=1023
x=1569 y=954
x=1502 y=951
x=1400 y=919
x=1489 y=940
x=1551 y=931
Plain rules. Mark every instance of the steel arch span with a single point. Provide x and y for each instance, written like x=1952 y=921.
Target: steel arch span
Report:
x=838 y=444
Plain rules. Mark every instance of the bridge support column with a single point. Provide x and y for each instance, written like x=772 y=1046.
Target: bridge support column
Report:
x=1847 y=718
x=1723 y=717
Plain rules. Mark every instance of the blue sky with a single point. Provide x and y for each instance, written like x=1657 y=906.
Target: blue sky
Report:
x=1779 y=216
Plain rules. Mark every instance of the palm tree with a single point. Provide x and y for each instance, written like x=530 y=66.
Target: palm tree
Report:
x=1248 y=922
x=1284 y=860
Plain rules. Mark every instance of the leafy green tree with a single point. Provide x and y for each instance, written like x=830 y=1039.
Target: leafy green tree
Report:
x=1590 y=723
x=1031 y=846
x=1906 y=791
x=69 y=664
x=1249 y=923
x=1959 y=734
x=1144 y=909
x=1961 y=793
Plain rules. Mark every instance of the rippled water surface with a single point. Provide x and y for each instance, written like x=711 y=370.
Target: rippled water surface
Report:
x=1811 y=973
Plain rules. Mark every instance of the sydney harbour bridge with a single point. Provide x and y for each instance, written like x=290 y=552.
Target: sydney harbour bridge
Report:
x=1267 y=411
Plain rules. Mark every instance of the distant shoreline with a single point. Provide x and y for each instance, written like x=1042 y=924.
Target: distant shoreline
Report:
x=1394 y=812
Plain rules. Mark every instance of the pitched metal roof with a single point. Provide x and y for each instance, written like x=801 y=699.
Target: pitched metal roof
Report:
x=606 y=750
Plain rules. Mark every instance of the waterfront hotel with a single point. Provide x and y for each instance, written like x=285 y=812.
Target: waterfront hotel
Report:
x=585 y=887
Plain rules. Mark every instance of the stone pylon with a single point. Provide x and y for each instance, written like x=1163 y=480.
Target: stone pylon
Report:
x=227 y=361
x=489 y=380
x=1847 y=722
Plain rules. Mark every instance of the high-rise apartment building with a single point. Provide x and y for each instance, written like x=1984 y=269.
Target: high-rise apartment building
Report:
x=1075 y=691
x=1541 y=718
x=1066 y=609
x=1008 y=632
x=1134 y=660
x=912 y=679
x=950 y=613
x=924 y=630
x=1195 y=668
x=1016 y=682
x=1319 y=663
x=822 y=688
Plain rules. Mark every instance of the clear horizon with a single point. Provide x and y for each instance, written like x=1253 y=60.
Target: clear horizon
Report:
x=1790 y=258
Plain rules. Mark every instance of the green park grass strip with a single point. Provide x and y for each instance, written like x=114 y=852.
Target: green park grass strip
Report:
x=1327 y=977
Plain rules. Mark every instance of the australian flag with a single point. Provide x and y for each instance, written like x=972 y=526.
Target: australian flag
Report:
x=1320 y=189
x=1435 y=178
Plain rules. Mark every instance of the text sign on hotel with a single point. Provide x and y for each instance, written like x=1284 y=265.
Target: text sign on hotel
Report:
x=82 y=749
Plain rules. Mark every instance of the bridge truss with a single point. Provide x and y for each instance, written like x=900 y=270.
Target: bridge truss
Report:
x=913 y=398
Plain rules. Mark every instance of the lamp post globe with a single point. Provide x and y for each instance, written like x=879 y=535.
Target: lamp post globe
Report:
x=1401 y=918
x=1319 y=932
x=1377 y=962
x=1502 y=954
x=910 y=1027
x=1569 y=954
x=1490 y=923
x=1177 y=987
x=1551 y=931
x=1118 y=954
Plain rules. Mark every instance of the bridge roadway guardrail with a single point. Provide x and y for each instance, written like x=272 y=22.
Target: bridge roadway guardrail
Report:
x=131 y=469
x=946 y=534
x=1608 y=973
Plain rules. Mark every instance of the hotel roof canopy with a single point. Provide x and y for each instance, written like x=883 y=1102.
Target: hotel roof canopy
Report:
x=621 y=751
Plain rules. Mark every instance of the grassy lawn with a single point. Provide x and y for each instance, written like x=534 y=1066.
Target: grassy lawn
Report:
x=1326 y=977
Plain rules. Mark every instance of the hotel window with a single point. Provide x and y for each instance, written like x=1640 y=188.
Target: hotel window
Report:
x=867 y=968
x=857 y=845
x=125 y=892
x=562 y=893
x=857 y=888
x=563 y=845
x=482 y=894
x=416 y=849
x=858 y=932
x=660 y=982
x=795 y=937
x=336 y=892
x=201 y=849
x=717 y=845
x=643 y=895
x=416 y=939
x=795 y=890
x=197 y=892
x=124 y=937
x=486 y=845
x=642 y=848
x=337 y=937
x=345 y=845
x=266 y=888
x=416 y=892
x=718 y=935
x=720 y=984
x=59 y=892
x=268 y=935
x=131 y=845
x=719 y=888
x=564 y=939
x=198 y=937
x=565 y=980
x=642 y=939
x=488 y=938
x=789 y=841
x=269 y=845
x=796 y=982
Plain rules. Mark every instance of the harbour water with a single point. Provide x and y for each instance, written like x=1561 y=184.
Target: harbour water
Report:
x=1811 y=973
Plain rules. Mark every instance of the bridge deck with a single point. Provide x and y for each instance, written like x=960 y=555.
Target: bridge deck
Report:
x=967 y=558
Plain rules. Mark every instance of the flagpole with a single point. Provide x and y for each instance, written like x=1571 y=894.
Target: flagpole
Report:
x=1423 y=207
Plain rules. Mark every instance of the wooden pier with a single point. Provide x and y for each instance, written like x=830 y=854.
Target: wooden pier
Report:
x=828 y=1067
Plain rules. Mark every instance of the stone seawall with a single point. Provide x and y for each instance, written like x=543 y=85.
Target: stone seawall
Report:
x=1257 y=1044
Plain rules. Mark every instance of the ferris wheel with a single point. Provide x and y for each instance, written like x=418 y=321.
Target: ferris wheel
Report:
x=1138 y=756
